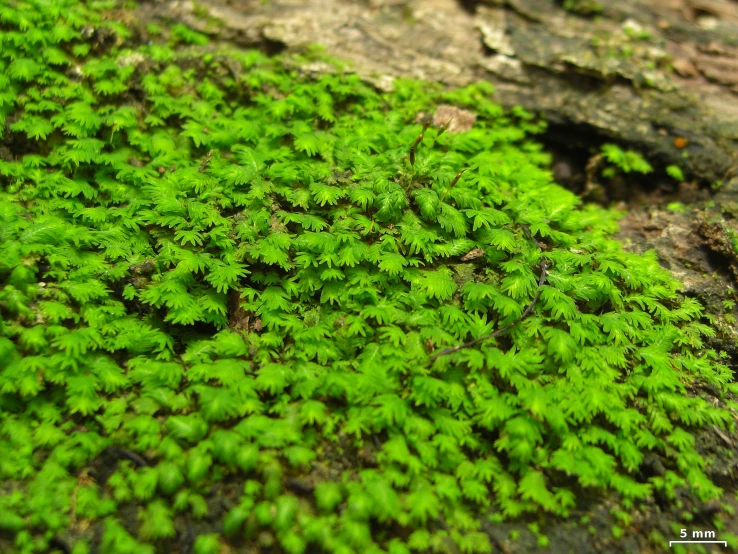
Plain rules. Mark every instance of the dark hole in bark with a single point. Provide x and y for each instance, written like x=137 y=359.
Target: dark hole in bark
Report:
x=573 y=146
x=273 y=47
x=469 y=6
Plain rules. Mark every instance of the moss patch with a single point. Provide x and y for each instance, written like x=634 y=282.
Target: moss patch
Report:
x=223 y=284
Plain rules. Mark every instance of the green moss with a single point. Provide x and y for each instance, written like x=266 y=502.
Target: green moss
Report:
x=675 y=172
x=227 y=279
x=731 y=232
x=623 y=161
x=583 y=7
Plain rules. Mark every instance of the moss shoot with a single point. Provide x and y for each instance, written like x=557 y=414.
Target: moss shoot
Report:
x=224 y=286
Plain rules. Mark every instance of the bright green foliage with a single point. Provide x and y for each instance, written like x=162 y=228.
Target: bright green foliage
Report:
x=207 y=544
x=223 y=276
x=676 y=207
x=627 y=161
x=675 y=172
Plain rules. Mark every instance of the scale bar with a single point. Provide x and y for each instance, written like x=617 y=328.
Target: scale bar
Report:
x=724 y=543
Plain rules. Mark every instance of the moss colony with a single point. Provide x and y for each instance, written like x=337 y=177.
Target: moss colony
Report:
x=224 y=286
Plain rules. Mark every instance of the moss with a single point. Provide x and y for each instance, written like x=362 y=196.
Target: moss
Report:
x=229 y=280
x=675 y=172
x=583 y=7
x=623 y=161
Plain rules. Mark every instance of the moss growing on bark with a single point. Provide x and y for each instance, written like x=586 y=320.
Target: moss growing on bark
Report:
x=227 y=290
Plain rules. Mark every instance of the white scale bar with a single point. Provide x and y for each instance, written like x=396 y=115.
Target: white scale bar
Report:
x=725 y=543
